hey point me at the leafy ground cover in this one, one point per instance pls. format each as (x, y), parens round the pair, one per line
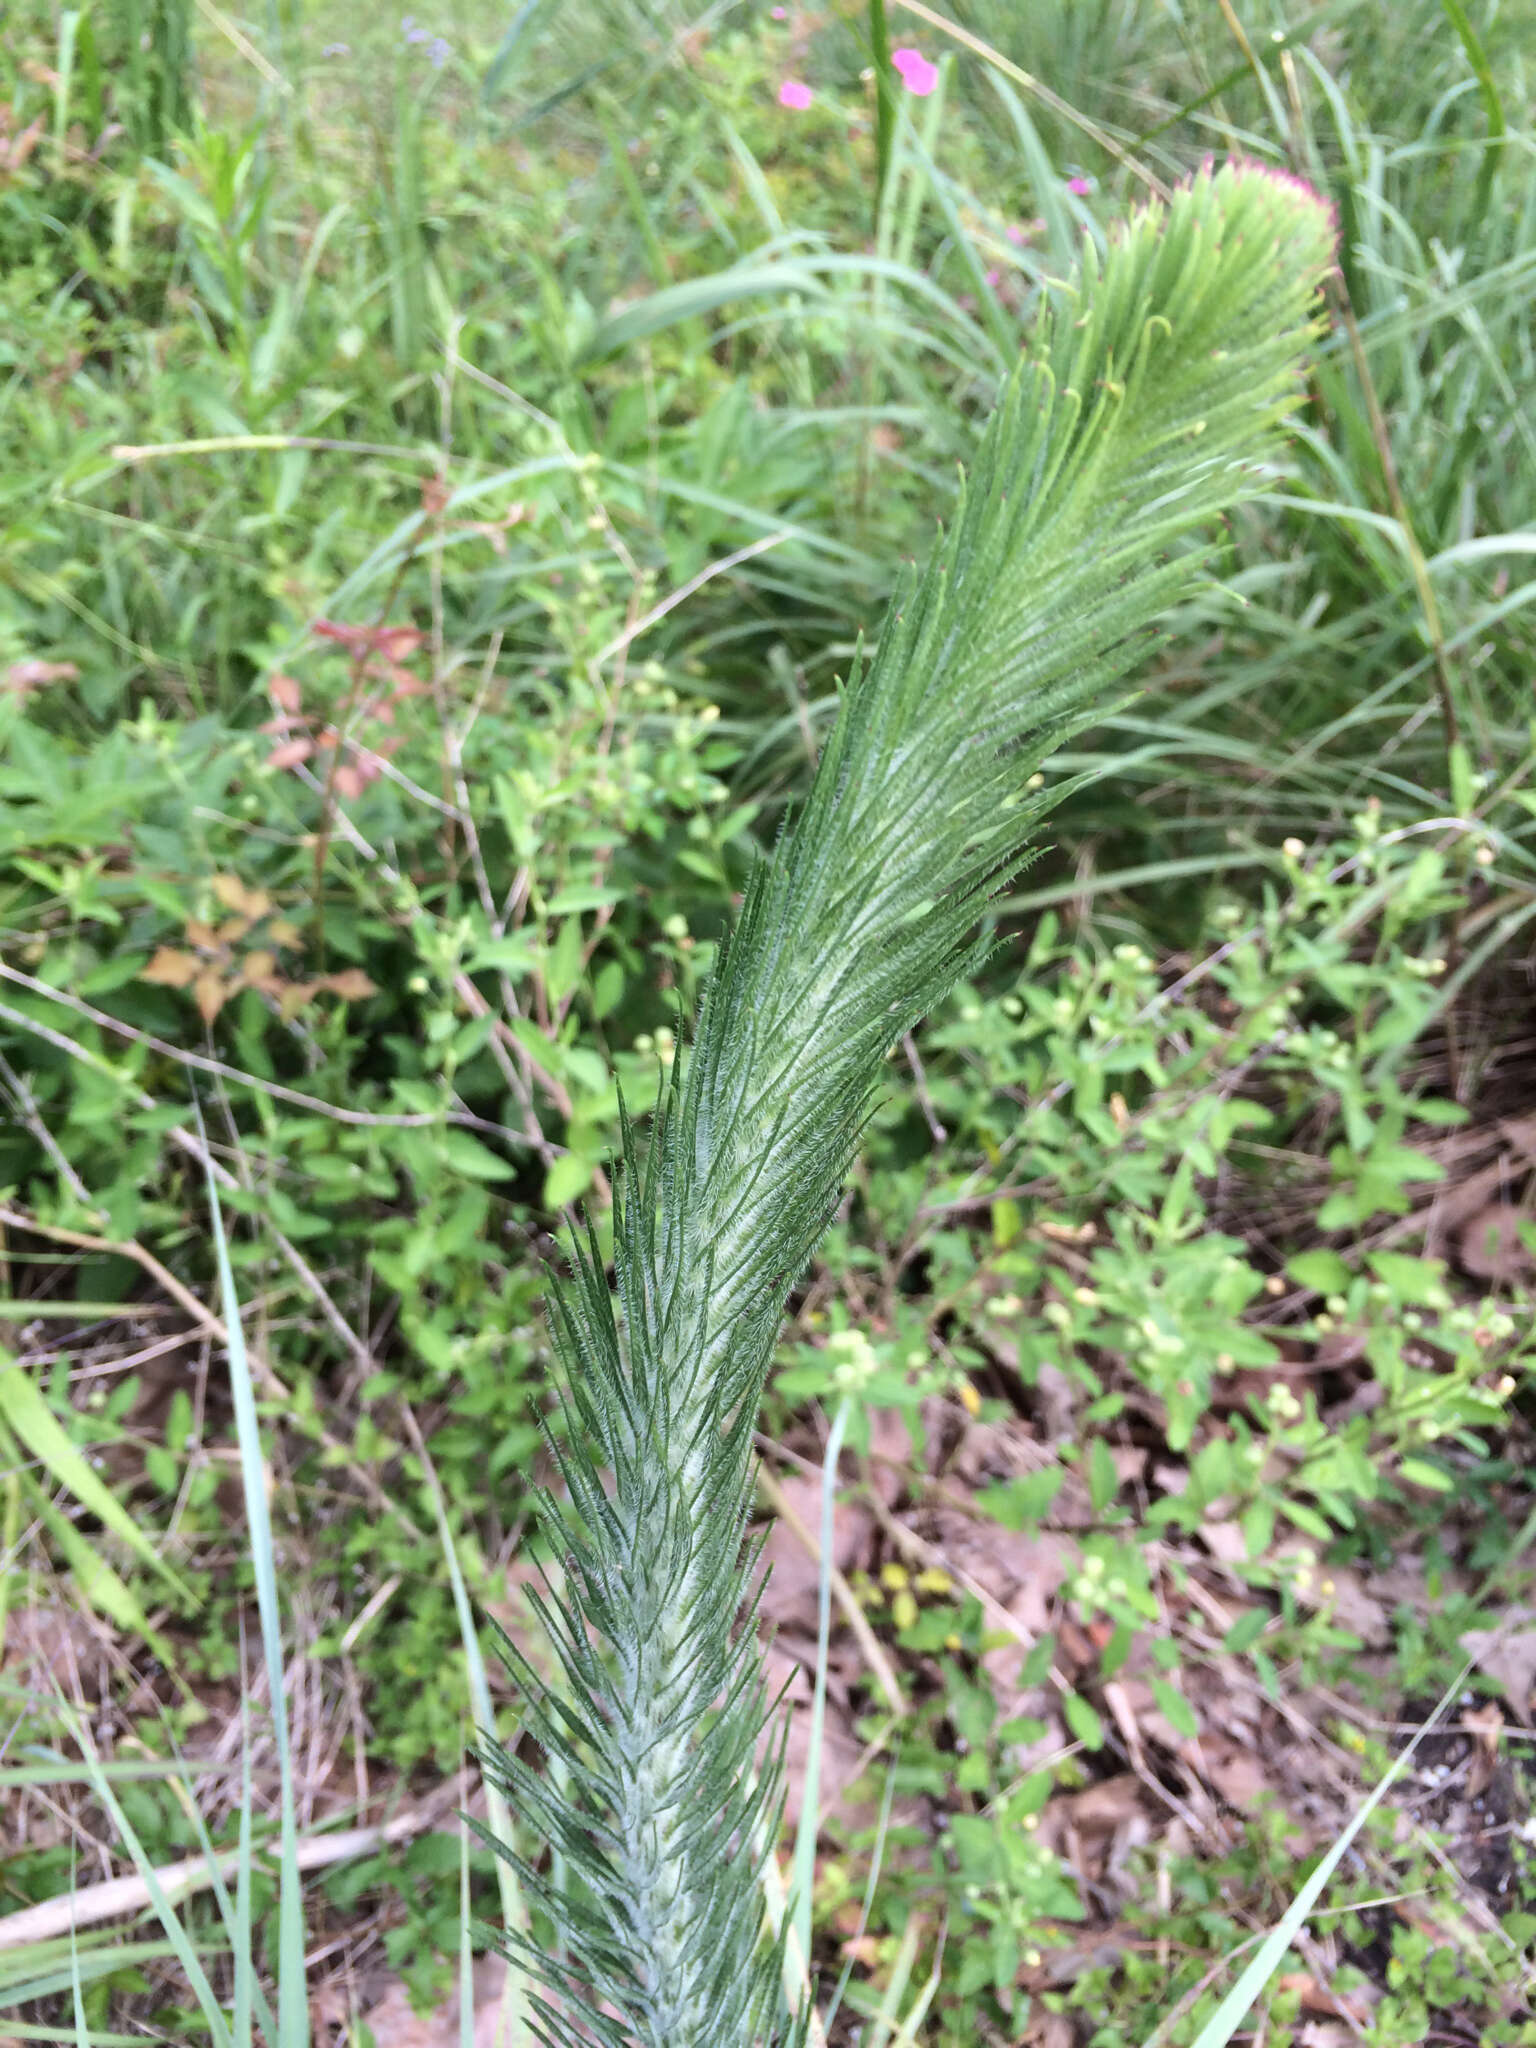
(447, 466)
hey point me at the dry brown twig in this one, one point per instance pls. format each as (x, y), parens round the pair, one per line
(118, 1896)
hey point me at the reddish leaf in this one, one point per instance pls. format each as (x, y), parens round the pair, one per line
(287, 692)
(349, 781)
(210, 992)
(352, 985)
(397, 643)
(170, 968)
(22, 676)
(23, 144)
(290, 753)
(294, 997)
(346, 636)
(259, 968)
(234, 895)
(495, 530)
(394, 643)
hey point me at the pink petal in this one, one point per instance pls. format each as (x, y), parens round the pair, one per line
(919, 76)
(1079, 185)
(792, 93)
(778, 13)
(993, 278)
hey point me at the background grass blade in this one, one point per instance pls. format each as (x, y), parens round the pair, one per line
(1234, 2008)
(292, 1995)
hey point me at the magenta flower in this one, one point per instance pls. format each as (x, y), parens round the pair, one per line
(1079, 186)
(918, 75)
(794, 93)
(778, 13)
(994, 277)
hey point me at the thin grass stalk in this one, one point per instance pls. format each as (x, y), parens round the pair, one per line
(1493, 105)
(885, 103)
(292, 1996)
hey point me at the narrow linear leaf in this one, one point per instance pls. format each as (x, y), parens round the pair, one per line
(293, 2001)
(24, 1408)
(1233, 2010)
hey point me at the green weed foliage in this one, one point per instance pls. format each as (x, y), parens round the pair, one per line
(464, 488)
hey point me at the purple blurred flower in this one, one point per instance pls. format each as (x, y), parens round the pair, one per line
(918, 75)
(794, 93)
(439, 49)
(337, 50)
(1079, 186)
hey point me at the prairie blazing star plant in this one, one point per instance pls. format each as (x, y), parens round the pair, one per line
(1156, 386)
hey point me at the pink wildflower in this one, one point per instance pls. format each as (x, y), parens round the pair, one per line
(779, 13)
(994, 278)
(794, 93)
(918, 75)
(1079, 186)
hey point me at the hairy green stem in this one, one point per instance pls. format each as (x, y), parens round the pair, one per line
(1159, 378)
